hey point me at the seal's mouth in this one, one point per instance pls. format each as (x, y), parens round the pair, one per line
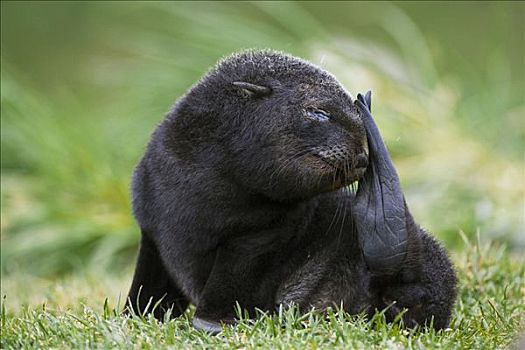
(331, 174)
(344, 176)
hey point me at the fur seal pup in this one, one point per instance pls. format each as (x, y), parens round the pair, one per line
(242, 197)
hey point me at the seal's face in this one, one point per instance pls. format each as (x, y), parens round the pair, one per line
(313, 137)
(281, 126)
(328, 128)
(304, 136)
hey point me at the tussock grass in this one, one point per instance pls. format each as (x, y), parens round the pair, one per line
(78, 110)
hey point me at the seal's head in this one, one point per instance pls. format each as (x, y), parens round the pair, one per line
(277, 125)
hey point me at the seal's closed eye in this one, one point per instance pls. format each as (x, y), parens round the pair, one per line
(379, 207)
(318, 115)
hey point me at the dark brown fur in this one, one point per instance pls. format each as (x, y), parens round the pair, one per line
(241, 197)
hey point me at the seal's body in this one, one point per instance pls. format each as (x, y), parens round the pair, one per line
(241, 197)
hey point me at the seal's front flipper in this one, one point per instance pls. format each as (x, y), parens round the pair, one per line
(152, 290)
(379, 209)
(242, 274)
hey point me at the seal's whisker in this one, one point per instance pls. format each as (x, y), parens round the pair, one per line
(345, 166)
(288, 162)
(335, 217)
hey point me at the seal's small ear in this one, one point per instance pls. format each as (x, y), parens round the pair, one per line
(252, 90)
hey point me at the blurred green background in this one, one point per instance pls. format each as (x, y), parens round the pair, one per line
(83, 84)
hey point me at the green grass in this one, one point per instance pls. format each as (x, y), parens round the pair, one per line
(83, 312)
(83, 84)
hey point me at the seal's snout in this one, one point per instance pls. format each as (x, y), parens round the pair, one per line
(361, 161)
(361, 165)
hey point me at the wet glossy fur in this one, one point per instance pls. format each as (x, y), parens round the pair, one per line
(240, 198)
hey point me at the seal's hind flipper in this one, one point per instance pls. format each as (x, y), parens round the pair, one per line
(379, 209)
(211, 327)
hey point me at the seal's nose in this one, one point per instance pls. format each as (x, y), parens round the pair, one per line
(362, 160)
